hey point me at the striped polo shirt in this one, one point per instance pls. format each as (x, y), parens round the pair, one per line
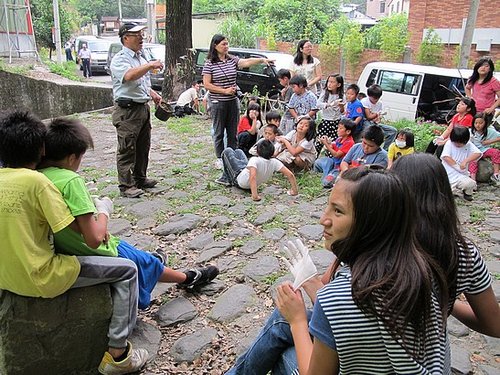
(363, 344)
(223, 75)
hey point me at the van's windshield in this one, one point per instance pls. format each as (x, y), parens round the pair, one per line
(98, 46)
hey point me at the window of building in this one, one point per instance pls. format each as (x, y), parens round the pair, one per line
(382, 7)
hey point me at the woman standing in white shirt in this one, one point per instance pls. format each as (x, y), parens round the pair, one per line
(307, 65)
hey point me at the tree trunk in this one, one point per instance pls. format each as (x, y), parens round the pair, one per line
(179, 72)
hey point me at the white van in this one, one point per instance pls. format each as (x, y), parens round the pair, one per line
(411, 91)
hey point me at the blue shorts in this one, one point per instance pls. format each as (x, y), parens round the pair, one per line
(149, 269)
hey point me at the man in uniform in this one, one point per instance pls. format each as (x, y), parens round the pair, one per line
(131, 116)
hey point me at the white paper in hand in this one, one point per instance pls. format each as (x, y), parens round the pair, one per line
(301, 265)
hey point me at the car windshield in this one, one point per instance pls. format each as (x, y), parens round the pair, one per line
(98, 46)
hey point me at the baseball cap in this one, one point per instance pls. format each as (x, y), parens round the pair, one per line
(130, 27)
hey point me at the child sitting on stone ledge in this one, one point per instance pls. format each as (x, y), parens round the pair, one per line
(31, 209)
(66, 142)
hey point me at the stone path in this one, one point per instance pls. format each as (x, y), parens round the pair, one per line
(197, 222)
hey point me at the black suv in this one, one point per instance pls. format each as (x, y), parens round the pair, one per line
(261, 76)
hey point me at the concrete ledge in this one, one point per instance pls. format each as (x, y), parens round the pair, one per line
(62, 335)
(49, 99)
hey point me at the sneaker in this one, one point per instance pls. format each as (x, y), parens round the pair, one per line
(135, 360)
(203, 276)
(495, 178)
(222, 181)
(161, 256)
(328, 181)
(468, 197)
(148, 183)
(132, 192)
(219, 164)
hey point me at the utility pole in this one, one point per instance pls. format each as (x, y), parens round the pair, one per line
(120, 11)
(57, 31)
(468, 33)
(151, 16)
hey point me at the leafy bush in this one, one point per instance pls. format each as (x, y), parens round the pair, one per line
(239, 31)
(424, 131)
(431, 49)
(344, 37)
(389, 35)
(66, 69)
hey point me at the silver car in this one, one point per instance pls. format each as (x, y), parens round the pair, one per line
(151, 51)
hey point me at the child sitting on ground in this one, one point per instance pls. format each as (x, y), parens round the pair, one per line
(330, 166)
(403, 145)
(374, 110)
(249, 127)
(66, 142)
(303, 102)
(298, 145)
(368, 152)
(483, 136)
(31, 210)
(249, 174)
(354, 110)
(466, 110)
(270, 133)
(456, 156)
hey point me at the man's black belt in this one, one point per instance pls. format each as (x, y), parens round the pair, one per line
(127, 103)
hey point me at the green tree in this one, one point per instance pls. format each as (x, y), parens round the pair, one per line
(93, 12)
(394, 36)
(431, 49)
(43, 22)
(344, 38)
(389, 35)
(304, 18)
(239, 31)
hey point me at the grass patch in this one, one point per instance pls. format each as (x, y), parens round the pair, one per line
(271, 279)
(477, 214)
(66, 69)
(182, 126)
(186, 182)
(276, 223)
(310, 185)
(219, 233)
(238, 242)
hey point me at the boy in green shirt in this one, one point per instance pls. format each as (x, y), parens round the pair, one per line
(31, 209)
(66, 142)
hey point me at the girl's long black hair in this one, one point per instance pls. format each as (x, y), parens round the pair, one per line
(438, 226)
(340, 89)
(475, 74)
(486, 118)
(392, 278)
(255, 107)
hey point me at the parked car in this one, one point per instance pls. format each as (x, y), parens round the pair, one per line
(412, 91)
(99, 51)
(261, 76)
(151, 51)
